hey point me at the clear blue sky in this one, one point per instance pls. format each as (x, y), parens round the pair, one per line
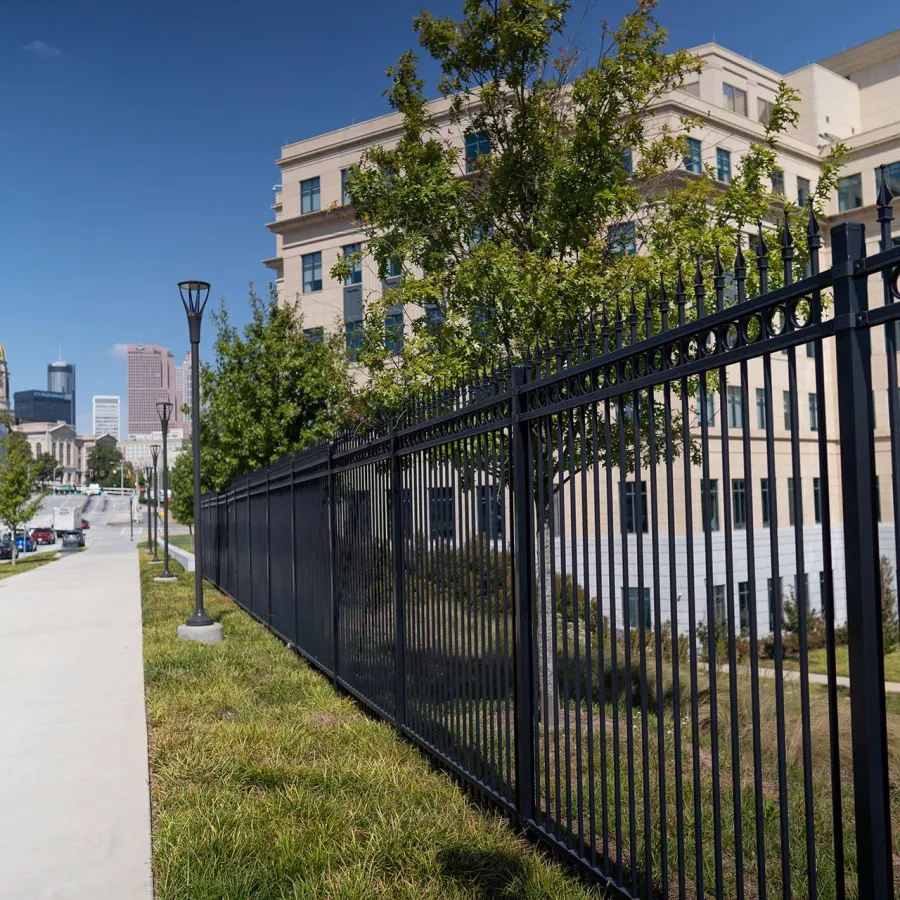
(138, 139)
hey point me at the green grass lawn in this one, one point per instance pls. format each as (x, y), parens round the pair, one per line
(185, 541)
(818, 664)
(26, 564)
(268, 784)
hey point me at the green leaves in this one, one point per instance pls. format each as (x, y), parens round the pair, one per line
(271, 390)
(17, 481)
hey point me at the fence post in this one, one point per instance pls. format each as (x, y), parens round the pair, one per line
(862, 563)
(396, 526)
(333, 564)
(268, 554)
(524, 599)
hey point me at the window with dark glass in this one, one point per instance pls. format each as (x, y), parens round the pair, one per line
(778, 181)
(315, 335)
(477, 144)
(892, 173)
(765, 498)
(692, 160)
(353, 335)
(709, 503)
(394, 268)
(637, 598)
(441, 513)
(310, 196)
(761, 408)
(723, 165)
(406, 510)
(707, 413)
(719, 599)
(345, 193)
(622, 238)
(850, 193)
(490, 511)
(790, 499)
(764, 110)
(355, 276)
(393, 333)
(312, 272)
(811, 350)
(744, 605)
(786, 400)
(631, 514)
(739, 502)
(735, 406)
(817, 500)
(803, 191)
(772, 599)
(626, 160)
(813, 412)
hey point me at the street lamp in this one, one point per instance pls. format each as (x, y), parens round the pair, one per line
(148, 474)
(200, 626)
(154, 455)
(164, 409)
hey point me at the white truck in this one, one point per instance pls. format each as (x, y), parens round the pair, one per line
(67, 522)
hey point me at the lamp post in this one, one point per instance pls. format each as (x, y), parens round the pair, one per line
(154, 455)
(148, 474)
(165, 411)
(199, 626)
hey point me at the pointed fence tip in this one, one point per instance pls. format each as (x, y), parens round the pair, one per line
(812, 225)
(761, 249)
(885, 195)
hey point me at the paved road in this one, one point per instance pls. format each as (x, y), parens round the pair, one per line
(74, 798)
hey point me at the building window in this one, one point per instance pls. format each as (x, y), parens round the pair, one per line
(393, 333)
(626, 161)
(490, 511)
(355, 276)
(345, 192)
(739, 502)
(477, 144)
(735, 407)
(772, 589)
(892, 173)
(850, 193)
(778, 181)
(354, 333)
(434, 317)
(764, 110)
(813, 412)
(803, 191)
(315, 335)
(310, 195)
(811, 350)
(707, 417)
(629, 507)
(761, 408)
(764, 508)
(719, 598)
(622, 238)
(692, 158)
(312, 272)
(735, 99)
(723, 165)
(817, 500)
(744, 605)
(634, 607)
(786, 399)
(406, 510)
(790, 496)
(394, 268)
(441, 512)
(709, 503)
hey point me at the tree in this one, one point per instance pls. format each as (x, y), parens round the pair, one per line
(271, 390)
(101, 461)
(181, 483)
(531, 242)
(17, 483)
(45, 468)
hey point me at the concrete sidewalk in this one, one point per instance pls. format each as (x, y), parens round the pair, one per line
(74, 797)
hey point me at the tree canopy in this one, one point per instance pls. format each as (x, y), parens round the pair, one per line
(17, 482)
(572, 190)
(181, 483)
(270, 390)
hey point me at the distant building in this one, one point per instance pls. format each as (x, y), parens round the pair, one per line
(136, 449)
(61, 380)
(183, 386)
(107, 415)
(70, 449)
(4, 380)
(43, 406)
(151, 380)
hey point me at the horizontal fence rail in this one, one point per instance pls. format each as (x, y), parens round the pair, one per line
(637, 590)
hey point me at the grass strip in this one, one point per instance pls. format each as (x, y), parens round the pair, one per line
(268, 784)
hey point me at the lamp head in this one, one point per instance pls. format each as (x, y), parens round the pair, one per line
(154, 453)
(164, 410)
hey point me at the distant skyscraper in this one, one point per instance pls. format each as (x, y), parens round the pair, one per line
(151, 379)
(107, 416)
(4, 380)
(61, 380)
(43, 406)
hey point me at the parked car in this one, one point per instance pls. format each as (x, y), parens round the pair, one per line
(85, 524)
(43, 535)
(5, 549)
(25, 543)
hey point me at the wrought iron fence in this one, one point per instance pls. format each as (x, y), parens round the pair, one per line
(600, 587)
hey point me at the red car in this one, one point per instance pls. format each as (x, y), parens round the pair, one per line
(43, 536)
(85, 524)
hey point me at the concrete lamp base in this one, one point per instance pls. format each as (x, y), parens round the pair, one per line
(155, 562)
(165, 579)
(206, 634)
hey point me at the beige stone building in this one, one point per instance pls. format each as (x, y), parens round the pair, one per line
(852, 97)
(70, 449)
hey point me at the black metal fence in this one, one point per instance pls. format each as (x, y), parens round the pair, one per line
(602, 587)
